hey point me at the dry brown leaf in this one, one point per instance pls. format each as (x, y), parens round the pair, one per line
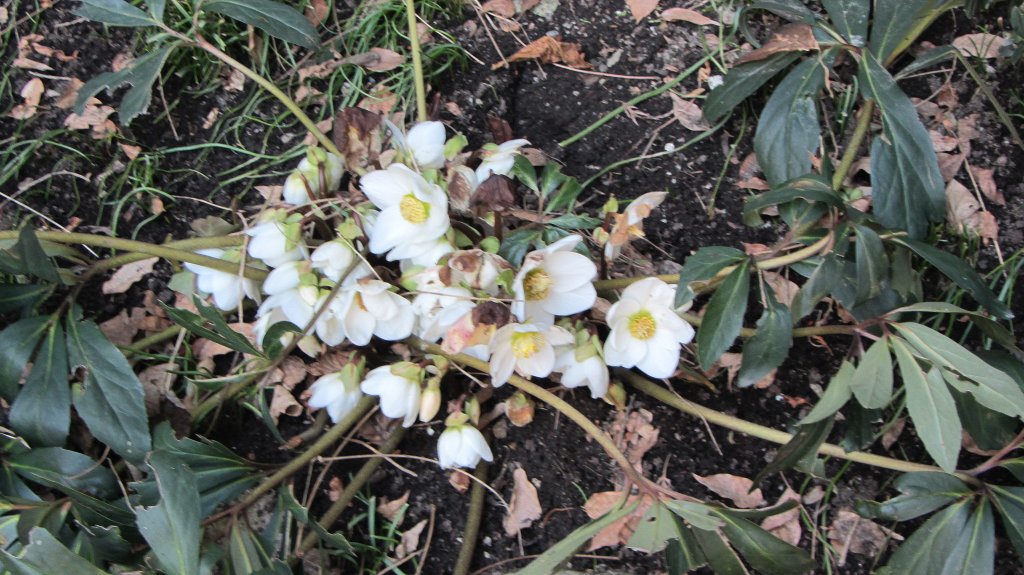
(784, 289)
(687, 15)
(131, 151)
(964, 214)
(380, 101)
(734, 488)
(893, 433)
(156, 384)
(503, 8)
(49, 52)
(324, 126)
(4, 15)
(789, 38)
(283, 403)
(619, 531)
(31, 93)
(640, 436)
(69, 94)
(234, 81)
(321, 70)
(785, 525)
(524, 507)
(120, 329)
(549, 50)
(980, 45)
(949, 165)
(410, 540)
(377, 60)
(943, 143)
(205, 349)
(688, 114)
(335, 488)
(156, 205)
(851, 533)
(459, 480)
(390, 509)
(316, 12)
(987, 185)
(127, 275)
(95, 118)
(641, 8)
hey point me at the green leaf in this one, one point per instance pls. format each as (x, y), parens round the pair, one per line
(975, 549)
(872, 263)
(42, 412)
(172, 527)
(764, 552)
(64, 471)
(860, 431)
(271, 343)
(792, 10)
(141, 75)
(515, 245)
(333, 540)
(277, 19)
(789, 131)
(805, 442)
(113, 13)
(850, 18)
(742, 81)
(895, 21)
(21, 297)
(156, 8)
(524, 172)
(110, 398)
(45, 555)
(836, 395)
(575, 222)
(932, 408)
(995, 389)
(551, 178)
(656, 528)
(209, 323)
(33, 258)
(872, 382)
(770, 345)
(1009, 501)
(565, 197)
(17, 342)
(809, 188)
(908, 192)
(927, 60)
(723, 316)
(721, 558)
(245, 553)
(697, 515)
(921, 493)
(998, 333)
(824, 279)
(702, 266)
(683, 555)
(923, 552)
(1014, 466)
(957, 270)
(560, 552)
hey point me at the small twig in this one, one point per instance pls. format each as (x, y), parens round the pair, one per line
(426, 544)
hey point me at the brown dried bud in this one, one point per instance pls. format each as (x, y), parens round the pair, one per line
(357, 133)
(495, 194)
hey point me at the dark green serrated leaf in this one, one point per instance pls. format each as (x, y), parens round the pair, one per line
(565, 197)
(957, 270)
(805, 442)
(575, 222)
(860, 427)
(1009, 501)
(683, 555)
(931, 407)
(22, 297)
(110, 398)
(33, 258)
(42, 411)
(907, 189)
(894, 21)
(809, 188)
(821, 283)
(769, 346)
(65, 470)
(45, 555)
(113, 13)
(872, 263)
(926, 551)
(271, 343)
(764, 552)
(332, 540)
(277, 19)
(761, 513)
(723, 316)
(789, 131)
(515, 245)
(551, 178)
(697, 515)
(836, 395)
(172, 527)
(106, 543)
(904, 279)
(1014, 466)
(209, 323)
(524, 172)
(245, 554)
(720, 557)
(850, 18)
(560, 552)
(141, 75)
(975, 549)
(702, 266)
(920, 493)
(998, 333)
(742, 81)
(872, 382)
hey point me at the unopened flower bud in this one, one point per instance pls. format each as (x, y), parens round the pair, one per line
(520, 409)
(616, 395)
(472, 409)
(430, 400)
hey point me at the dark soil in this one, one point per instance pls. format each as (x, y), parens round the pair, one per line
(545, 104)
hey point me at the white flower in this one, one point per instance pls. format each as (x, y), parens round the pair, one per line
(369, 309)
(432, 252)
(338, 392)
(226, 288)
(398, 387)
(425, 143)
(437, 309)
(333, 259)
(477, 269)
(525, 348)
(318, 173)
(582, 364)
(462, 445)
(499, 159)
(414, 212)
(554, 281)
(646, 330)
(277, 239)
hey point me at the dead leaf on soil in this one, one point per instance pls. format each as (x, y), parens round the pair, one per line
(25, 49)
(731, 363)
(949, 165)
(234, 81)
(641, 8)
(156, 384)
(851, 533)
(618, 532)
(943, 143)
(789, 38)
(785, 525)
(524, 507)
(889, 437)
(503, 8)
(549, 50)
(376, 60)
(459, 480)
(389, 509)
(381, 101)
(687, 15)
(95, 117)
(68, 94)
(980, 45)
(283, 403)
(640, 436)
(316, 12)
(688, 114)
(734, 488)
(127, 275)
(410, 540)
(784, 289)
(31, 93)
(964, 214)
(324, 126)
(120, 329)
(987, 185)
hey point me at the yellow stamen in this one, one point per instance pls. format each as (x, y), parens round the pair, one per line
(536, 285)
(525, 344)
(642, 325)
(414, 210)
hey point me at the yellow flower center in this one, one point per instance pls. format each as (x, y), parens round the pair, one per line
(536, 285)
(642, 325)
(527, 343)
(414, 210)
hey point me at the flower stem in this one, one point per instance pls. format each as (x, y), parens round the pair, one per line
(417, 63)
(187, 244)
(768, 434)
(853, 146)
(473, 519)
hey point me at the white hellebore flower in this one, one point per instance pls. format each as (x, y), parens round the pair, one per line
(226, 288)
(277, 238)
(424, 142)
(398, 387)
(414, 212)
(582, 364)
(368, 308)
(339, 392)
(334, 259)
(461, 444)
(318, 173)
(646, 330)
(498, 159)
(526, 349)
(437, 309)
(554, 281)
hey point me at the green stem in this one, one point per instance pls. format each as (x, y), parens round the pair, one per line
(810, 331)
(768, 434)
(187, 244)
(417, 63)
(642, 97)
(474, 516)
(853, 146)
(144, 248)
(161, 336)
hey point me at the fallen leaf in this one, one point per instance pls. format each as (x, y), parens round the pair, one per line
(733, 487)
(282, 402)
(987, 185)
(31, 93)
(504, 8)
(316, 12)
(943, 143)
(640, 436)
(334, 489)
(949, 165)
(324, 126)
(205, 349)
(688, 114)
(69, 94)
(380, 101)
(459, 480)
(376, 60)
(964, 214)
(687, 15)
(410, 540)
(980, 45)
(234, 81)
(893, 433)
(851, 533)
(524, 507)
(156, 384)
(131, 151)
(120, 329)
(94, 117)
(789, 38)
(389, 509)
(785, 525)
(619, 531)
(784, 289)
(127, 275)
(641, 8)
(549, 50)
